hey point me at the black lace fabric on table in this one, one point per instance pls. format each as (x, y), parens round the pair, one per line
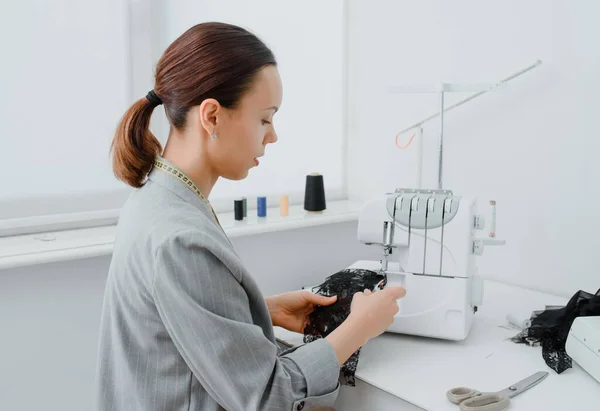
(324, 319)
(550, 328)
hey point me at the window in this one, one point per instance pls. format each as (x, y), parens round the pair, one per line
(77, 66)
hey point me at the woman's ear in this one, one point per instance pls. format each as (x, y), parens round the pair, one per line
(209, 110)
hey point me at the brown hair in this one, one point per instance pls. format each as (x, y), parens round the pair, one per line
(209, 60)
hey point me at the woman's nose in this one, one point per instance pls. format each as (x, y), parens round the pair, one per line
(271, 137)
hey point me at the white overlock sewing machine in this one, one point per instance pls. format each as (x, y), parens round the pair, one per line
(429, 247)
(429, 244)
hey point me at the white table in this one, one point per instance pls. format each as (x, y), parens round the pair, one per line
(414, 373)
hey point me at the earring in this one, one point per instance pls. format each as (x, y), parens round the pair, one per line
(214, 135)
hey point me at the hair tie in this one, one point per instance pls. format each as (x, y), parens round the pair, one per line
(153, 98)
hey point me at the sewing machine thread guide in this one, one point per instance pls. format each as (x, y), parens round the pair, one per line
(442, 236)
(425, 236)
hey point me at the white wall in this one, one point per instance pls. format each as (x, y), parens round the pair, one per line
(50, 314)
(65, 66)
(531, 145)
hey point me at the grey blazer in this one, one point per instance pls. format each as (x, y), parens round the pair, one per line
(184, 325)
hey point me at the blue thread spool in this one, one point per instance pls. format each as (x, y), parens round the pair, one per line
(261, 206)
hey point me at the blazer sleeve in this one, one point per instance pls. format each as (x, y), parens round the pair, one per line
(207, 314)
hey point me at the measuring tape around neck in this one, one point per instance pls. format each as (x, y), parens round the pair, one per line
(174, 171)
(185, 179)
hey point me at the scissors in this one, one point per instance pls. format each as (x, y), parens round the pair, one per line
(472, 400)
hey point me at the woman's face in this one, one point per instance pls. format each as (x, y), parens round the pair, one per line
(243, 133)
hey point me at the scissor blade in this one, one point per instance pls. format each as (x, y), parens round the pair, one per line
(525, 384)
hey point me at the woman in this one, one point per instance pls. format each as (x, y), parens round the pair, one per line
(184, 325)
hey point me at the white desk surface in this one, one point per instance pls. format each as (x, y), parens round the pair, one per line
(421, 370)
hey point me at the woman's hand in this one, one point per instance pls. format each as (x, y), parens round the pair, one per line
(370, 315)
(291, 310)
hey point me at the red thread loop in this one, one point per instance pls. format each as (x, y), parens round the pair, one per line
(407, 144)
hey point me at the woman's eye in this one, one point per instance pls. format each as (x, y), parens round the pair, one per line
(265, 122)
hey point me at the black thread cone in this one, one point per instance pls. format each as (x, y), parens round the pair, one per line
(238, 208)
(314, 193)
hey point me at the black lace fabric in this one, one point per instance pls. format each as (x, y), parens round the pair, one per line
(550, 328)
(324, 319)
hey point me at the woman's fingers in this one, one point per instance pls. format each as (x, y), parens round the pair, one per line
(322, 299)
(396, 292)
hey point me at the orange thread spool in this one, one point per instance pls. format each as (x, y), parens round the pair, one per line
(284, 204)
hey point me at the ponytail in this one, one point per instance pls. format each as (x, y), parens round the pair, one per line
(134, 147)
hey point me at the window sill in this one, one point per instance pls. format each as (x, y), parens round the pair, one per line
(32, 249)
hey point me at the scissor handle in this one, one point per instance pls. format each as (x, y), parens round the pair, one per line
(459, 394)
(485, 402)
